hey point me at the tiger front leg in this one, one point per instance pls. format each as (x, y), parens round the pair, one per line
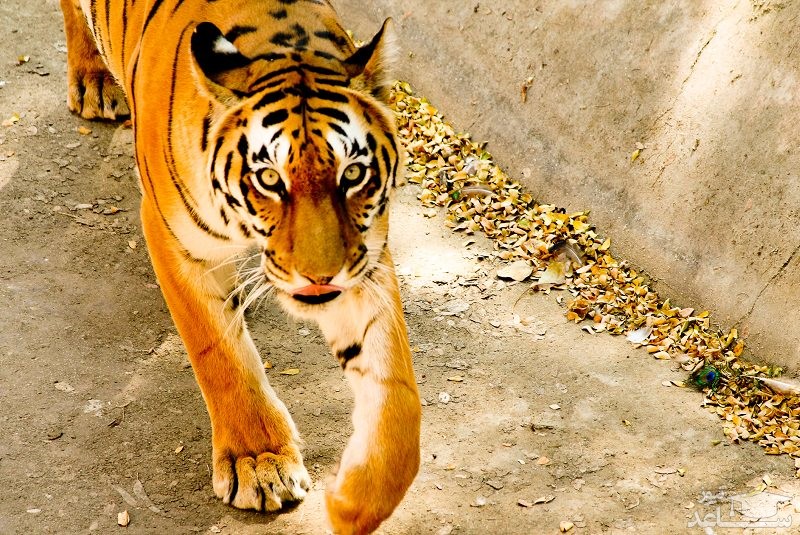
(92, 91)
(256, 448)
(367, 333)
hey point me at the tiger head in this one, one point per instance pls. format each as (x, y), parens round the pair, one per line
(302, 157)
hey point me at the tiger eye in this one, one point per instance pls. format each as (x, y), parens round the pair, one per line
(269, 177)
(354, 172)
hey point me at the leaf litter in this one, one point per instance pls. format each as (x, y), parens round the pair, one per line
(565, 252)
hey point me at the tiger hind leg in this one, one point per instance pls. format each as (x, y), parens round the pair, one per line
(92, 91)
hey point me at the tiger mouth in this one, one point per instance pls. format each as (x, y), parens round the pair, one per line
(316, 299)
(317, 294)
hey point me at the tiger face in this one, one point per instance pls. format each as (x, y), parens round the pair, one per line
(303, 164)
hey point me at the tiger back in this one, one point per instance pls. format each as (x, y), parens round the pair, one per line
(259, 126)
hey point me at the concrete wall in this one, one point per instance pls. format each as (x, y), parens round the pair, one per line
(710, 88)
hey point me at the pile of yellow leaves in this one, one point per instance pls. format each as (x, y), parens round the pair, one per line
(454, 172)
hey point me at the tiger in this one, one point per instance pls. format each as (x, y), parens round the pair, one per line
(261, 129)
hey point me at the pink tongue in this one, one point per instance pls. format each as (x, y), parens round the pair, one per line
(318, 289)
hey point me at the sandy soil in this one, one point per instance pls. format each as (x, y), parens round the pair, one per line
(99, 411)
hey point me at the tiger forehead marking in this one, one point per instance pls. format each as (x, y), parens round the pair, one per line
(336, 136)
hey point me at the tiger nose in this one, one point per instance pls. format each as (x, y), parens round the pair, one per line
(319, 280)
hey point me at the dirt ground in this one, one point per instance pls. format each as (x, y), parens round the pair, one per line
(523, 428)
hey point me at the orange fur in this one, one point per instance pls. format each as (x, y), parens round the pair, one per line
(247, 115)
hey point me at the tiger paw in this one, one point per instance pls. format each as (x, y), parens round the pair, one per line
(263, 483)
(94, 94)
(356, 505)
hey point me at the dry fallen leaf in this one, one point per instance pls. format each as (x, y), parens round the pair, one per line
(480, 501)
(518, 271)
(123, 518)
(554, 274)
(11, 121)
(639, 336)
(290, 371)
(82, 130)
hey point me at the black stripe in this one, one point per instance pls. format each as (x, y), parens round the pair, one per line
(274, 264)
(124, 30)
(371, 143)
(273, 74)
(185, 195)
(362, 254)
(217, 147)
(190, 208)
(243, 147)
(338, 129)
(282, 39)
(245, 189)
(333, 113)
(331, 95)
(324, 55)
(348, 354)
(151, 14)
(275, 117)
(393, 143)
(228, 164)
(177, 5)
(316, 69)
(338, 40)
(93, 17)
(270, 56)
(232, 201)
(269, 98)
(387, 161)
(204, 134)
(278, 133)
(279, 14)
(235, 481)
(108, 28)
(238, 31)
(145, 174)
(337, 82)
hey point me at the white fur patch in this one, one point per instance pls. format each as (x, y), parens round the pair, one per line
(223, 46)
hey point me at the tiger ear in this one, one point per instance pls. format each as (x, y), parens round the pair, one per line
(369, 66)
(218, 64)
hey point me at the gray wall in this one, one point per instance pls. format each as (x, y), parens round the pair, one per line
(711, 207)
